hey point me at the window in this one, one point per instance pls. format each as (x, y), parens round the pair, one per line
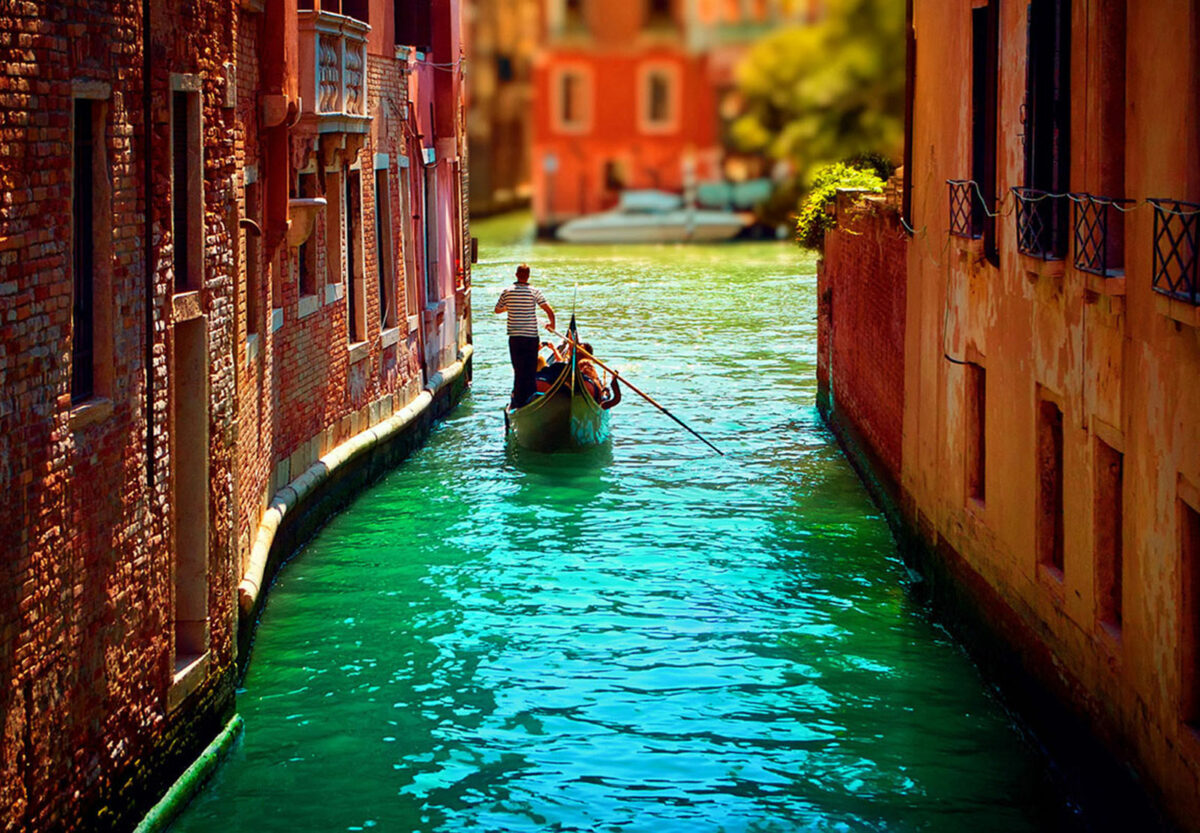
(253, 254)
(570, 98)
(358, 9)
(1108, 530)
(190, 485)
(658, 12)
(91, 251)
(335, 207)
(355, 301)
(412, 301)
(1047, 128)
(83, 255)
(572, 89)
(1050, 487)
(413, 23)
(976, 426)
(383, 251)
(306, 256)
(985, 24)
(432, 293)
(574, 13)
(187, 202)
(658, 98)
(1189, 643)
(615, 174)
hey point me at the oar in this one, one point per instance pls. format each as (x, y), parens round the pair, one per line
(639, 392)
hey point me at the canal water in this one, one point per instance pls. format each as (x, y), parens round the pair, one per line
(645, 638)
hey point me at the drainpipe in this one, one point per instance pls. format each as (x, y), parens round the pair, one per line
(147, 238)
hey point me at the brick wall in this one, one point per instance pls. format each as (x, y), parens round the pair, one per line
(94, 720)
(862, 308)
(85, 578)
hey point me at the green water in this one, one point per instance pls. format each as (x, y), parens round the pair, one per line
(646, 638)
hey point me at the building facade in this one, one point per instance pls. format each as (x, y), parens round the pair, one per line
(233, 246)
(621, 102)
(641, 95)
(1046, 456)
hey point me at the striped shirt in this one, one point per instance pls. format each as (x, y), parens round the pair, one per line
(521, 302)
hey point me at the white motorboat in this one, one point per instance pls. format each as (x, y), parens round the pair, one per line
(653, 217)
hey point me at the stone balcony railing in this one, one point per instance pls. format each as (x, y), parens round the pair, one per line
(333, 72)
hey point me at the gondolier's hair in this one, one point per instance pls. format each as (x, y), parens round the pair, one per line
(523, 271)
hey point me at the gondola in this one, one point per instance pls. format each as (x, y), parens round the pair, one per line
(564, 417)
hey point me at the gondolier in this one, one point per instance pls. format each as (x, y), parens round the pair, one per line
(521, 301)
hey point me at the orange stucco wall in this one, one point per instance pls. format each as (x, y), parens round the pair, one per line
(1116, 357)
(569, 163)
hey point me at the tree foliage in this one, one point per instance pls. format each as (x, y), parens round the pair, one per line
(814, 218)
(828, 91)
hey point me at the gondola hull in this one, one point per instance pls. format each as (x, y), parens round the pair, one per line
(564, 418)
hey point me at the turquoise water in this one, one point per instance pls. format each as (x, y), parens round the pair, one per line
(645, 638)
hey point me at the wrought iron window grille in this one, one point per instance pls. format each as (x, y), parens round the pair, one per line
(966, 212)
(1176, 264)
(1098, 230)
(1041, 223)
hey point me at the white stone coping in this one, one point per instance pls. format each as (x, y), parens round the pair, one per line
(290, 495)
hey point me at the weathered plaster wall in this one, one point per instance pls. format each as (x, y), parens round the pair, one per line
(1112, 354)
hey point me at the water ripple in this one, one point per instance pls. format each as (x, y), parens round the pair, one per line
(647, 637)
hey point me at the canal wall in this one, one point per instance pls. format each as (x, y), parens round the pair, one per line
(211, 278)
(861, 389)
(301, 508)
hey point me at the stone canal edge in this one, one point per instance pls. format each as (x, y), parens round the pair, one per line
(295, 514)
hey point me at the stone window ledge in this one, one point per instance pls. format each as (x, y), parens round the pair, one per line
(276, 319)
(307, 305)
(970, 248)
(1035, 269)
(1180, 311)
(1111, 285)
(186, 680)
(90, 412)
(359, 351)
(333, 292)
(389, 337)
(252, 347)
(186, 306)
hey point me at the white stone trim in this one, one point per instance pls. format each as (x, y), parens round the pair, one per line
(323, 469)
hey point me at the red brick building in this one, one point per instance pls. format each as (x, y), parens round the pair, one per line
(210, 289)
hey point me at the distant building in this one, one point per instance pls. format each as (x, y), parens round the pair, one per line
(1019, 365)
(502, 38)
(233, 239)
(639, 95)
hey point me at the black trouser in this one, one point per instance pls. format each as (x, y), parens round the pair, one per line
(523, 351)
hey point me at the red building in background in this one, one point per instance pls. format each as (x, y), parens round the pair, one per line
(635, 95)
(620, 103)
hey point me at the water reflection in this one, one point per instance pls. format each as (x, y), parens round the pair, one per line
(644, 636)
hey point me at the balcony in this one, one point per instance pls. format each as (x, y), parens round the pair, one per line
(1041, 223)
(1176, 263)
(1100, 234)
(966, 214)
(333, 72)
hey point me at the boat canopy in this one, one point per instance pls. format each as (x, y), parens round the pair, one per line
(649, 201)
